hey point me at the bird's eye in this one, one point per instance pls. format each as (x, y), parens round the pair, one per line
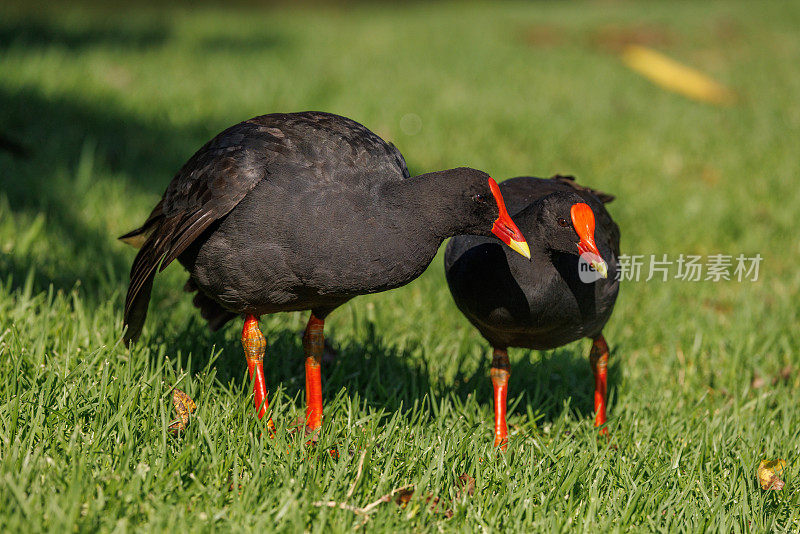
(562, 222)
(479, 198)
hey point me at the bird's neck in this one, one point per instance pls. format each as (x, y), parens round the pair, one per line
(427, 205)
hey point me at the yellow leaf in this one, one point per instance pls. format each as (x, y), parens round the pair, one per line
(185, 407)
(675, 76)
(770, 473)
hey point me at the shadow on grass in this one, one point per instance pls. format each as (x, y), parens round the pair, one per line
(57, 132)
(32, 33)
(391, 379)
(558, 379)
(362, 365)
(130, 35)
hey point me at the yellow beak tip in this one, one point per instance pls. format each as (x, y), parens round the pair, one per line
(521, 247)
(601, 267)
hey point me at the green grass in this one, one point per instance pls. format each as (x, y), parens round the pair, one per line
(110, 103)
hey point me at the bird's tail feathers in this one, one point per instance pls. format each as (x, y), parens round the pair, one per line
(137, 238)
(136, 310)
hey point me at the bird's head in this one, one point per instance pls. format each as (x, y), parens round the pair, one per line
(567, 225)
(480, 197)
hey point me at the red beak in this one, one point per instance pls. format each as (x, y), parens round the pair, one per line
(504, 228)
(583, 222)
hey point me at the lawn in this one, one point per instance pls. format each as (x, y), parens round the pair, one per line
(107, 103)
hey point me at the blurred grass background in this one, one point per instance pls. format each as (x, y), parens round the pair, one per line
(100, 105)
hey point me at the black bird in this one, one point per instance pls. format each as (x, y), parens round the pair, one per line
(302, 211)
(565, 292)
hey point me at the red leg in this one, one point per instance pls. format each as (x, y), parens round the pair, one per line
(500, 372)
(598, 359)
(314, 345)
(254, 347)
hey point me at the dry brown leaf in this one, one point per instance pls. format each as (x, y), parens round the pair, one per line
(403, 497)
(784, 375)
(615, 38)
(770, 473)
(465, 486)
(185, 407)
(757, 381)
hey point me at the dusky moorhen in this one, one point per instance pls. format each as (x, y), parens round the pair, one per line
(302, 211)
(565, 292)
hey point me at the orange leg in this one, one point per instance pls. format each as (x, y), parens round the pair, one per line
(314, 344)
(598, 359)
(254, 347)
(500, 372)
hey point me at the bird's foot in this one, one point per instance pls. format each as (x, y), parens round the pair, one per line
(500, 373)
(598, 359)
(314, 346)
(255, 346)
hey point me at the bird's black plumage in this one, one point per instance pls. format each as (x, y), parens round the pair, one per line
(299, 211)
(541, 303)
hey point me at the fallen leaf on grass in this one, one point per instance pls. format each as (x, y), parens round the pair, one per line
(616, 38)
(757, 382)
(403, 497)
(465, 485)
(674, 76)
(185, 407)
(431, 500)
(784, 375)
(770, 473)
